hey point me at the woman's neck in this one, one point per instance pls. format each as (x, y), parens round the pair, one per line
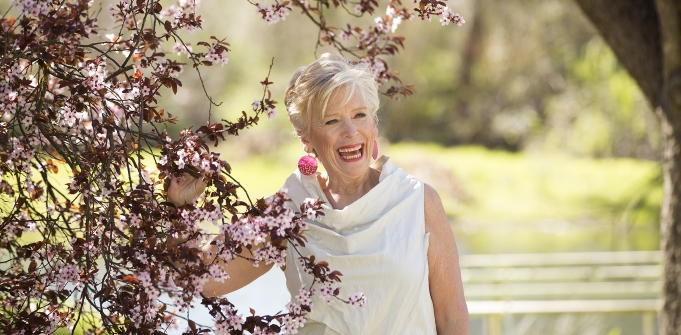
(342, 191)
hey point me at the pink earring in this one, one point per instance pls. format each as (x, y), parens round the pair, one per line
(307, 165)
(374, 153)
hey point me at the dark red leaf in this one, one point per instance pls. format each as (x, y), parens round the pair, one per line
(130, 279)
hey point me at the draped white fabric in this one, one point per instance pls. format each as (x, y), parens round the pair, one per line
(380, 245)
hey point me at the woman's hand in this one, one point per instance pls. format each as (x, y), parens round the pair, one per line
(185, 189)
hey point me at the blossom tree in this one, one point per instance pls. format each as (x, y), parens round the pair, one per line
(88, 238)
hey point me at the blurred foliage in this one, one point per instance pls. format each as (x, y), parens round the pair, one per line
(519, 74)
(514, 202)
(527, 74)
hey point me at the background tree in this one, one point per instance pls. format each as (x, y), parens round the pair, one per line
(646, 37)
(88, 239)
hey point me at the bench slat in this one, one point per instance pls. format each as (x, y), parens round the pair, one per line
(553, 259)
(562, 274)
(554, 291)
(563, 306)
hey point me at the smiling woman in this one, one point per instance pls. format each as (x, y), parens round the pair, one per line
(384, 230)
(332, 107)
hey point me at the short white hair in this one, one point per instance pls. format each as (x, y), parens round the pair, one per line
(312, 86)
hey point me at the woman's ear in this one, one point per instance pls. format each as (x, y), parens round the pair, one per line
(307, 146)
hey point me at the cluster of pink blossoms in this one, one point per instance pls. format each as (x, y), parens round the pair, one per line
(182, 49)
(12, 97)
(296, 320)
(33, 7)
(393, 18)
(182, 15)
(217, 55)
(449, 16)
(357, 299)
(188, 153)
(228, 320)
(327, 292)
(271, 111)
(275, 12)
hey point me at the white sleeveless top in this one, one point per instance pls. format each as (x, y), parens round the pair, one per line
(380, 246)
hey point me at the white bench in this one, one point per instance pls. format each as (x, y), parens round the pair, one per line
(589, 282)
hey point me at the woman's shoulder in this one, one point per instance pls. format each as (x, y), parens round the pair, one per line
(430, 194)
(434, 211)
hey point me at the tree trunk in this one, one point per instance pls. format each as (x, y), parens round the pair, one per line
(670, 120)
(670, 316)
(466, 125)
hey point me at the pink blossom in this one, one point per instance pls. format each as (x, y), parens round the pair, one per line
(357, 299)
(449, 16)
(271, 113)
(180, 48)
(217, 273)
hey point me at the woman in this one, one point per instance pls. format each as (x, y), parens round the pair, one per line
(386, 231)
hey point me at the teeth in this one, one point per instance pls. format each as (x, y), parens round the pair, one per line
(359, 146)
(353, 156)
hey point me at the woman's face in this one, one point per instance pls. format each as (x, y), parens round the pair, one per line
(343, 139)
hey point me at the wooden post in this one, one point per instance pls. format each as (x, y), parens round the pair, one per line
(648, 323)
(494, 325)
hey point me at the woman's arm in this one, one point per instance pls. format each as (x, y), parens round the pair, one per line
(186, 189)
(240, 271)
(446, 288)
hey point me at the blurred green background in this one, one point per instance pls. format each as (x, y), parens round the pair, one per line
(532, 133)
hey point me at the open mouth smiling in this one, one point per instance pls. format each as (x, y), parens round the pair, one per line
(351, 152)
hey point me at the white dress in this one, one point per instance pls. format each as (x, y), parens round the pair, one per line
(380, 246)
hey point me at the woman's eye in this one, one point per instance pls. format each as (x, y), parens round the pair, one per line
(360, 115)
(330, 122)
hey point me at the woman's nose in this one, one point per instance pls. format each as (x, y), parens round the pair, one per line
(349, 128)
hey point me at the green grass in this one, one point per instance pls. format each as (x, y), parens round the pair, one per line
(527, 186)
